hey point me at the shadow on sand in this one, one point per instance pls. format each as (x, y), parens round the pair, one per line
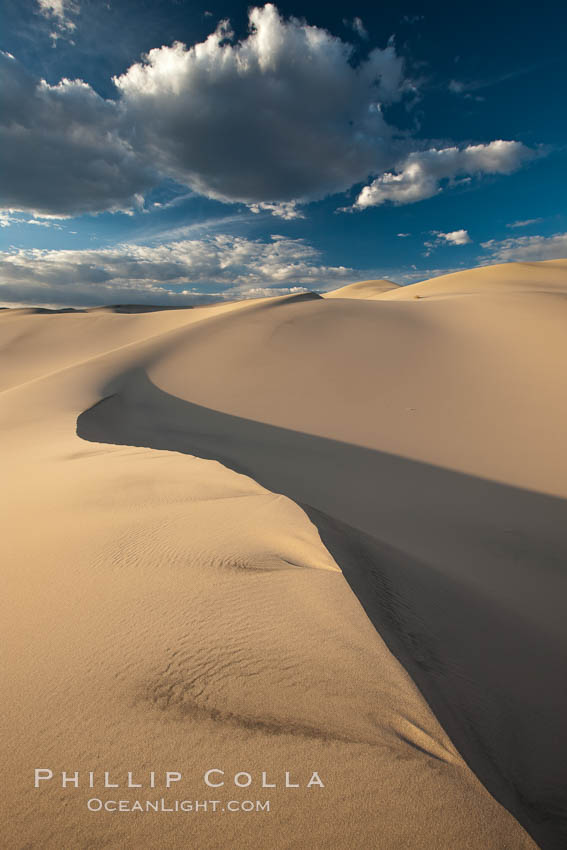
(465, 579)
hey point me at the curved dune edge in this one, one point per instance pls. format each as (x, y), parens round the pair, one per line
(402, 597)
(168, 613)
(144, 554)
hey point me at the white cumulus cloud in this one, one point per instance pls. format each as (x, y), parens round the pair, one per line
(455, 237)
(422, 173)
(284, 116)
(280, 116)
(287, 211)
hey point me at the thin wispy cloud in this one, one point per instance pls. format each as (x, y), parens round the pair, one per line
(155, 232)
(528, 248)
(8, 219)
(465, 87)
(357, 25)
(61, 14)
(527, 222)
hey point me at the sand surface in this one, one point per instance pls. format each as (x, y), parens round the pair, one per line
(363, 289)
(301, 534)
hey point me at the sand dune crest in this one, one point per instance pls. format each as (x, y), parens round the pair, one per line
(189, 491)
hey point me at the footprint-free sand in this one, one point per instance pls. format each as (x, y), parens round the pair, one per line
(304, 534)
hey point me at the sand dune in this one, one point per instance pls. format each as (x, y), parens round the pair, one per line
(363, 289)
(195, 495)
(547, 276)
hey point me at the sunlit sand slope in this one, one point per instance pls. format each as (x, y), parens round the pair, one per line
(547, 276)
(166, 611)
(363, 289)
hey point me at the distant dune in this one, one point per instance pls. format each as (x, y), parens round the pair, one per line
(510, 277)
(363, 289)
(293, 534)
(549, 275)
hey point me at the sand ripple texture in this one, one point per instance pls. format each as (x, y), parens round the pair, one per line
(247, 537)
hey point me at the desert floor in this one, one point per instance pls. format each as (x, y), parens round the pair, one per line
(292, 534)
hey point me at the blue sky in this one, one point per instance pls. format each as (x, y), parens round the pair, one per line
(175, 153)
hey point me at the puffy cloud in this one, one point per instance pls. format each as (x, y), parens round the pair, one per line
(528, 248)
(422, 173)
(455, 237)
(280, 116)
(287, 211)
(185, 271)
(60, 149)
